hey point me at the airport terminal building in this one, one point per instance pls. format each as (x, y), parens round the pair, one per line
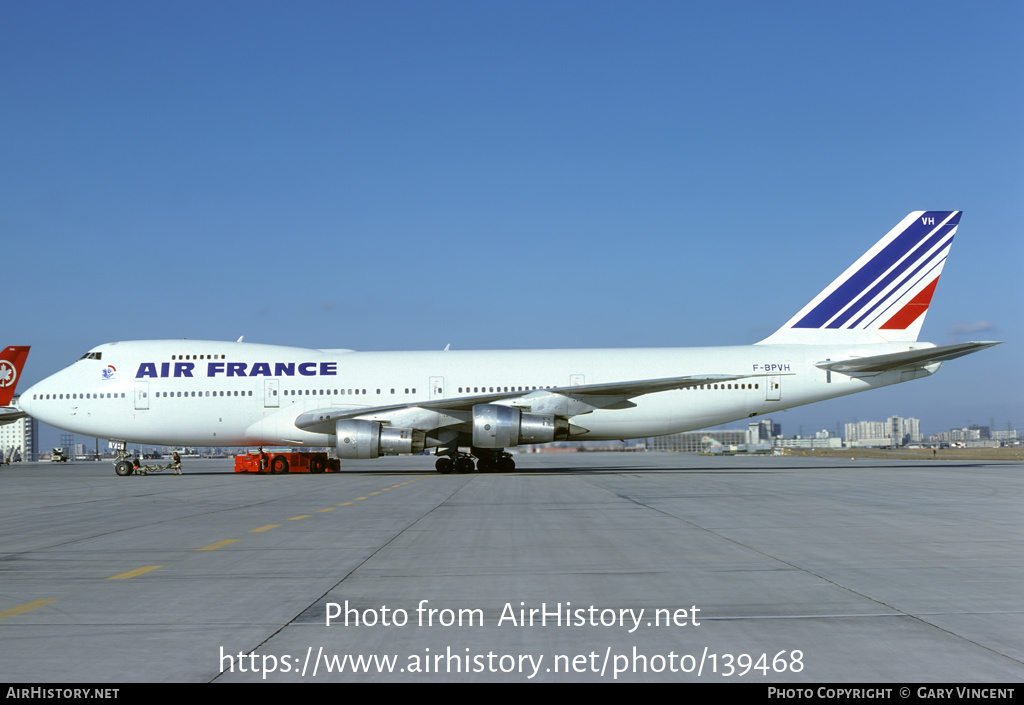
(757, 432)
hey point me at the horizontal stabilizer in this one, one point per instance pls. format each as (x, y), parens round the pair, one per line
(874, 364)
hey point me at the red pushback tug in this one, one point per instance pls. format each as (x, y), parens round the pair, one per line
(281, 462)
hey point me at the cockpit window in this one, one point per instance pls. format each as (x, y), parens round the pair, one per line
(91, 356)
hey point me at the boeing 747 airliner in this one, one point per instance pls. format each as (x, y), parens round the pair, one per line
(859, 333)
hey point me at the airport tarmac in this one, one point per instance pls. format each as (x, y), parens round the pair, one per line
(579, 567)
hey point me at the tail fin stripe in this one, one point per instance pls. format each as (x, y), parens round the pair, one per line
(928, 265)
(913, 258)
(879, 264)
(861, 278)
(910, 313)
(923, 259)
(883, 297)
(932, 273)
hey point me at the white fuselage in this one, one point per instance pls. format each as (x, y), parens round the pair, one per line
(209, 393)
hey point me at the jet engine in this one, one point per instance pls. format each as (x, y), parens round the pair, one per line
(497, 426)
(357, 439)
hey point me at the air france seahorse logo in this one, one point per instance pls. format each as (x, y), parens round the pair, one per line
(8, 374)
(108, 372)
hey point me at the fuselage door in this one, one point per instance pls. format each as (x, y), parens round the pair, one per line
(142, 395)
(271, 392)
(773, 388)
(437, 388)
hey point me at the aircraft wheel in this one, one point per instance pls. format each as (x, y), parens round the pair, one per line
(123, 468)
(317, 464)
(506, 464)
(444, 466)
(464, 465)
(279, 464)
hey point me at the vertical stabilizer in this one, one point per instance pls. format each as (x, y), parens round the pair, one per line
(884, 295)
(12, 359)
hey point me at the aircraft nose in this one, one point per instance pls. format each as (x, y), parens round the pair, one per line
(25, 399)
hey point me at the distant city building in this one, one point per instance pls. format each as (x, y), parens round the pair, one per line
(975, 436)
(868, 434)
(904, 431)
(763, 431)
(19, 440)
(964, 435)
(893, 432)
(984, 432)
(809, 443)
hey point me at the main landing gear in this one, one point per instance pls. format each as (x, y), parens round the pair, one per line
(487, 461)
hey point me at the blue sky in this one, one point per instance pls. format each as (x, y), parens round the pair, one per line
(405, 175)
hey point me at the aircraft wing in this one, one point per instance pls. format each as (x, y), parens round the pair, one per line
(874, 364)
(565, 401)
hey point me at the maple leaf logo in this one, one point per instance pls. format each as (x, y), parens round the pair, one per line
(8, 375)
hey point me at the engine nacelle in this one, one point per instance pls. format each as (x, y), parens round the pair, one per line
(357, 439)
(497, 426)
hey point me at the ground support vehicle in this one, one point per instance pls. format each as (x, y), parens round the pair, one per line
(281, 462)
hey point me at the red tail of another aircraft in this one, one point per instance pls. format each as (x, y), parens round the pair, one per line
(12, 359)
